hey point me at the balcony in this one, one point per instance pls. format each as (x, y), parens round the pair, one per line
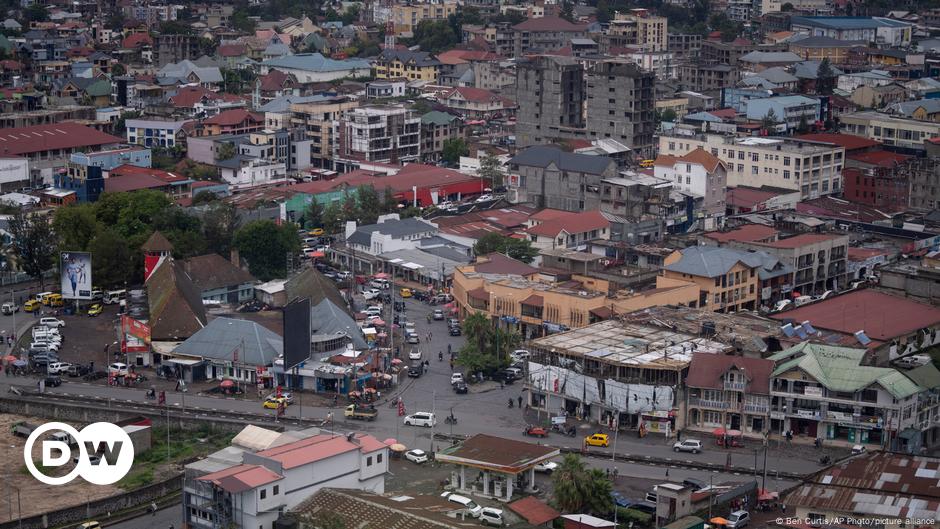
(735, 386)
(756, 408)
(712, 404)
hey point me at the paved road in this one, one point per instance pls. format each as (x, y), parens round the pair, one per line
(484, 410)
(162, 519)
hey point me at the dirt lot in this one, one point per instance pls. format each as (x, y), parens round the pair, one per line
(36, 497)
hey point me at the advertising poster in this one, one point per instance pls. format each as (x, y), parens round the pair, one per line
(76, 275)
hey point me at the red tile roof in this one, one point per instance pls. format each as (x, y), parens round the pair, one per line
(549, 23)
(849, 141)
(412, 175)
(724, 113)
(549, 214)
(10, 64)
(802, 239)
(573, 223)
(746, 233)
(707, 369)
(534, 511)
(64, 135)
(232, 50)
(840, 209)
(132, 178)
(698, 156)
(135, 40)
(861, 254)
(235, 116)
(188, 96)
(750, 197)
(274, 80)
(479, 95)
(880, 158)
(882, 316)
(497, 263)
(465, 56)
(308, 450)
(242, 477)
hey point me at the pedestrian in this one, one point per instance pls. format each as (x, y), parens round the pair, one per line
(520, 401)
(607, 470)
(679, 435)
(667, 472)
(783, 508)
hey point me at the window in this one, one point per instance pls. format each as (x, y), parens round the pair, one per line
(755, 157)
(786, 175)
(276, 490)
(264, 493)
(754, 169)
(786, 161)
(378, 459)
(369, 461)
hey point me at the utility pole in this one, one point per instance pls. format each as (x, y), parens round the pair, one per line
(434, 420)
(764, 486)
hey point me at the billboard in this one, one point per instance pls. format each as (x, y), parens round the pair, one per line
(76, 275)
(296, 333)
(135, 335)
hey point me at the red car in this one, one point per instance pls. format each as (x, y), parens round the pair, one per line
(536, 431)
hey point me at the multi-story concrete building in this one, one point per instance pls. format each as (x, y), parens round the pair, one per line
(789, 112)
(551, 178)
(406, 17)
(885, 32)
(717, 52)
(904, 134)
(727, 391)
(727, 278)
(813, 168)
(538, 35)
(828, 393)
(388, 134)
(819, 48)
(319, 119)
(650, 31)
(684, 46)
(175, 48)
(704, 77)
(559, 99)
(437, 128)
(699, 173)
(156, 133)
(818, 259)
(406, 64)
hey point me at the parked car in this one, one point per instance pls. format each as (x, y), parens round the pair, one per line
(696, 484)
(371, 293)
(465, 502)
(461, 388)
(405, 293)
(620, 500)
(416, 456)
(286, 395)
(9, 308)
(598, 439)
(95, 309)
(547, 467)
(415, 354)
(738, 519)
(454, 330)
(51, 322)
(688, 445)
(49, 346)
(491, 516)
(52, 382)
(456, 377)
(535, 431)
(453, 322)
(783, 304)
(412, 338)
(421, 418)
(57, 368)
(117, 368)
(373, 310)
(438, 314)
(273, 403)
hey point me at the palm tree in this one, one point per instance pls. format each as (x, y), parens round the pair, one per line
(478, 328)
(567, 481)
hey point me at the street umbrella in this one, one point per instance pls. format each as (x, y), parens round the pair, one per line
(10, 358)
(381, 275)
(396, 361)
(19, 363)
(719, 432)
(398, 447)
(227, 383)
(354, 393)
(378, 322)
(317, 254)
(734, 433)
(386, 376)
(390, 441)
(766, 495)
(718, 520)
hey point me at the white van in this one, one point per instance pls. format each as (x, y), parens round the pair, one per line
(114, 296)
(802, 300)
(42, 296)
(380, 283)
(471, 506)
(421, 418)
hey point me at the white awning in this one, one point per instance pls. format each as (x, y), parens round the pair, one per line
(183, 361)
(412, 266)
(396, 261)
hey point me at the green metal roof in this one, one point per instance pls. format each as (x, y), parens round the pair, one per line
(435, 117)
(925, 376)
(839, 369)
(98, 89)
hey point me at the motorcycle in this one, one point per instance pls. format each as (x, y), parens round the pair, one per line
(825, 460)
(450, 419)
(511, 404)
(151, 394)
(440, 356)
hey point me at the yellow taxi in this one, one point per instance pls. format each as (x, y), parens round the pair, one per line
(272, 403)
(95, 309)
(405, 292)
(32, 305)
(316, 232)
(647, 163)
(55, 300)
(598, 439)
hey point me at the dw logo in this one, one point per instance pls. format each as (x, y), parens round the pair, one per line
(106, 452)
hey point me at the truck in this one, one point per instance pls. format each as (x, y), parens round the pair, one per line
(23, 428)
(365, 413)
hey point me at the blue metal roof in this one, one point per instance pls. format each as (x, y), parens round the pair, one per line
(849, 22)
(317, 63)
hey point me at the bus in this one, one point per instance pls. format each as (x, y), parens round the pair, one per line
(114, 296)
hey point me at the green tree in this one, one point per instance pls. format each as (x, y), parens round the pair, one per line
(604, 11)
(116, 21)
(333, 217)
(487, 345)
(313, 216)
(118, 70)
(434, 36)
(175, 27)
(33, 244)
(579, 489)
(240, 21)
(519, 249)
(219, 225)
(350, 209)
(267, 247)
(226, 151)
(75, 226)
(204, 197)
(471, 15)
(667, 115)
(453, 149)
(786, 7)
(825, 78)
(36, 13)
(350, 15)
(113, 259)
(770, 121)
(491, 169)
(803, 126)
(389, 202)
(368, 205)
(567, 10)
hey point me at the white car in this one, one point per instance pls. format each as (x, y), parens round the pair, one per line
(117, 368)
(412, 338)
(491, 516)
(56, 368)
(416, 456)
(455, 378)
(373, 311)
(421, 418)
(415, 354)
(371, 293)
(689, 445)
(548, 467)
(738, 519)
(51, 322)
(782, 304)
(465, 502)
(484, 198)
(39, 344)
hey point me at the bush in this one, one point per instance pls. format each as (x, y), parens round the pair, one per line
(633, 515)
